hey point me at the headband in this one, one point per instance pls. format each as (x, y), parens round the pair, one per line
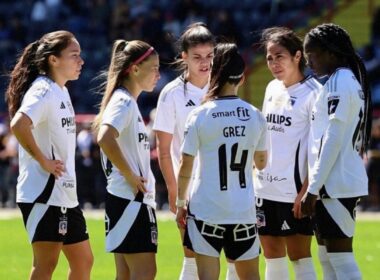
(141, 58)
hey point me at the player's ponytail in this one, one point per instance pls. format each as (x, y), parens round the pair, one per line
(228, 67)
(124, 55)
(34, 61)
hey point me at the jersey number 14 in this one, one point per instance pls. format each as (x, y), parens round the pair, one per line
(234, 166)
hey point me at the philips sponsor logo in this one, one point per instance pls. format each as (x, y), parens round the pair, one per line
(68, 121)
(279, 119)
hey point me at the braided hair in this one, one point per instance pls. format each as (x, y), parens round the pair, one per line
(336, 40)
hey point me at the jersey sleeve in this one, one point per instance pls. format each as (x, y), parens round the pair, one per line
(165, 114)
(262, 143)
(190, 143)
(118, 114)
(36, 104)
(331, 147)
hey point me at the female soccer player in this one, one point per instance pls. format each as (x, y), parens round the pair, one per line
(228, 135)
(282, 183)
(340, 132)
(131, 226)
(43, 121)
(177, 99)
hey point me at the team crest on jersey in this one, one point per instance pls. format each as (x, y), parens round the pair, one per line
(292, 100)
(260, 216)
(332, 104)
(154, 235)
(62, 226)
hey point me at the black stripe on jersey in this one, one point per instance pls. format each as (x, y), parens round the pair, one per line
(48, 189)
(323, 193)
(357, 129)
(297, 176)
(320, 146)
(139, 196)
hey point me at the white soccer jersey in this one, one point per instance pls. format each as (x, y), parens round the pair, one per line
(176, 101)
(54, 130)
(288, 115)
(123, 114)
(224, 133)
(341, 98)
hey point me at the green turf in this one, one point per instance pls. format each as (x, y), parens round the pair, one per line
(15, 252)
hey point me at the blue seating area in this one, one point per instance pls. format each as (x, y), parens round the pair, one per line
(96, 23)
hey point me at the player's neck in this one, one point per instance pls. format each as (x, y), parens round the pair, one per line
(199, 82)
(229, 90)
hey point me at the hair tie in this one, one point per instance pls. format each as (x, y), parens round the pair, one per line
(236, 76)
(140, 59)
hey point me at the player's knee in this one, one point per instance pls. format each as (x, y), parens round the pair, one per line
(149, 273)
(299, 253)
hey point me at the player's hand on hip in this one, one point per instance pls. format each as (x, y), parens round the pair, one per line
(137, 182)
(53, 166)
(308, 204)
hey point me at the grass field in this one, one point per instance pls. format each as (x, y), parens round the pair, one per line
(15, 252)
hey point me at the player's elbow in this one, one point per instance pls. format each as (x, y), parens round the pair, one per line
(260, 159)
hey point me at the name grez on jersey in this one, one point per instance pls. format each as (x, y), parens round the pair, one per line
(234, 131)
(69, 123)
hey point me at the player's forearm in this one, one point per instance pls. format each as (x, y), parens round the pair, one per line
(113, 152)
(21, 128)
(166, 166)
(184, 176)
(329, 154)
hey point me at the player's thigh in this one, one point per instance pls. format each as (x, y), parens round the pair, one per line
(335, 223)
(187, 252)
(122, 269)
(79, 255)
(273, 246)
(298, 246)
(248, 269)
(141, 265)
(46, 253)
(208, 267)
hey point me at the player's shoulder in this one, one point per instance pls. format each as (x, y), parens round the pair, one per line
(121, 97)
(341, 81)
(42, 86)
(274, 85)
(311, 83)
(172, 88)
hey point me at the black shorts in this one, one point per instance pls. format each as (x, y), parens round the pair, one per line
(277, 219)
(53, 223)
(239, 241)
(131, 226)
(335, 217)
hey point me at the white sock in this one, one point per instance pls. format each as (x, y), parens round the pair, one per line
(304, 269)
(231, 272)
(345, 266)
(328, 270)
(189, 269)
(276, 269)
